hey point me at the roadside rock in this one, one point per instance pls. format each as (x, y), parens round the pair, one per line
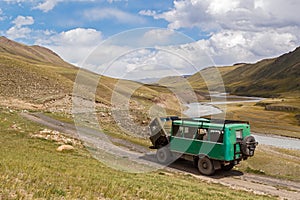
(15, 127)
(65, 147)
(58, 137)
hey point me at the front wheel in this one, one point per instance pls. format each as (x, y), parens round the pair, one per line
(163, 155)
(205, 166)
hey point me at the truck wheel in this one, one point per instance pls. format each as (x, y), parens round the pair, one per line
(205, 166)
(248, 145)
(163, 155)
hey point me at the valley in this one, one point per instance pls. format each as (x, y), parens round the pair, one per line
(37, 93)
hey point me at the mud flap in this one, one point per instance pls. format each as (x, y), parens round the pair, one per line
(217, 164)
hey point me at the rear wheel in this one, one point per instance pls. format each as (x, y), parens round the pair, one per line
(163, 155)
(205, 166)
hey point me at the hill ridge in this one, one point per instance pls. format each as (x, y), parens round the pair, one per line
(269, 77)
(34, 52)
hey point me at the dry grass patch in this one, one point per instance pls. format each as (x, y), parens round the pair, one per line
(272, 161)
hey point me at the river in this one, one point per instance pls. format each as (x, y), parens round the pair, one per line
(202, 109)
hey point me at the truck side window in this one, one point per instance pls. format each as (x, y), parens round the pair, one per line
(181, 131)
(201, 134)
(216, 136)
(189, 132)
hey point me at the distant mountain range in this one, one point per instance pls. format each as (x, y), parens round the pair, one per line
(37, 74)
(267, 78)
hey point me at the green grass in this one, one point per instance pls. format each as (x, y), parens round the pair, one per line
(32, 168)
(274, 162)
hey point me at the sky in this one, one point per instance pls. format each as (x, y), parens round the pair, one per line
(139, 39)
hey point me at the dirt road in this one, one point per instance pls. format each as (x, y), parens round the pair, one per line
(282, 189)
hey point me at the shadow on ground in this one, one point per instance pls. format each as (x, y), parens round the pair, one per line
(187, 166)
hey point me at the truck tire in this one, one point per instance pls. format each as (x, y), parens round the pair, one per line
(248, 146)
(163, 155)
(206, 166)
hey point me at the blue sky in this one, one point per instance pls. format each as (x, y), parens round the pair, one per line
(229, 31)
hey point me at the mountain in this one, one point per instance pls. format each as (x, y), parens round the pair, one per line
(32, 72)
(269, 77)
(34, 53)
(266, 78)
(39, 76)
(198, 82)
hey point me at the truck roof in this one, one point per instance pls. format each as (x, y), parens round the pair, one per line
(210, 123)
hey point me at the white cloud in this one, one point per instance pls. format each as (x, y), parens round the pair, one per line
(44, 5)
(228, 14)
(47, 5)
(1, 15)
(147, 63)
(158, 36)
(137, 63)
(18, 30)
(147, 12)
(78, 36)
(228, 46)
(240, 30)
(15, 32)
(73, 45)
(112, 1)
(17, 1)
(23, 21)
(187, 14)
(143, 53)
(216, 7)
(97, 14)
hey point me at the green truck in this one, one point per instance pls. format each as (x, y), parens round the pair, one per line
(210, 143)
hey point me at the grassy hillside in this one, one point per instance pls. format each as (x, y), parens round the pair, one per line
(33, 54)
(207, 77)
(268, 78)
(31, 168)
(35, 78)
(38, 75)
